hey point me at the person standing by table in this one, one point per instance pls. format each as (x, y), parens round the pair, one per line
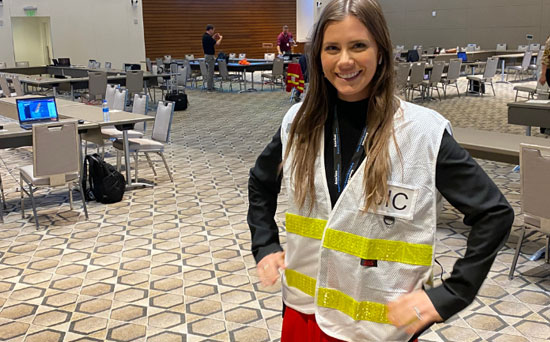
(284, 41)
(545, 73)
(209, 42)
(364, 173)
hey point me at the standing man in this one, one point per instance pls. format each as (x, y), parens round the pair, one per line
(284, 41)
(209, 41)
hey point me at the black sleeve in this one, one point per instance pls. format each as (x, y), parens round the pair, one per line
(468, 188)
(264, 186)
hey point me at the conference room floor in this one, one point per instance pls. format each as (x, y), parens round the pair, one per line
(173, 262)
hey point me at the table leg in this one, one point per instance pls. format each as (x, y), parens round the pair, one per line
(54, 91)
(127, 157)
(502, 67)
(72, 92)
(528, 131)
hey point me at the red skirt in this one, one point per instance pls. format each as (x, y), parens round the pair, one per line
(299, 327)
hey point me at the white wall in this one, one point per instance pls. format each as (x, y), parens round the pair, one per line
(103, 30)
(305, 17)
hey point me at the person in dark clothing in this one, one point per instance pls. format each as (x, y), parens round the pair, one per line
(363, 172)
(209, 42)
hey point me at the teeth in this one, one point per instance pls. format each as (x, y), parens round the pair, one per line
(349, 75)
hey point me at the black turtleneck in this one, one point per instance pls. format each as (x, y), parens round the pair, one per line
(352, 117)
(458, 178)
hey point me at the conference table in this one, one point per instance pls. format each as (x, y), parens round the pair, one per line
(75, 77)
(13, 135)
(529, 113)
(503, 58)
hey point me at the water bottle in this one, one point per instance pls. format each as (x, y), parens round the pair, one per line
(106, 116)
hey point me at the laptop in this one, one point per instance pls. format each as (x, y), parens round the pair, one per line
(36, 110)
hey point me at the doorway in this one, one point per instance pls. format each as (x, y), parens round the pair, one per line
(32, 40)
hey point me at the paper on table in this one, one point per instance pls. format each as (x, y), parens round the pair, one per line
(538, 101)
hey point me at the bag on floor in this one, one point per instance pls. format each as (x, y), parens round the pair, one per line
(179, 99)
(107, 185)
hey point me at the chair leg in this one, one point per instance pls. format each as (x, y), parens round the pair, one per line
(516, 255)
(3, 196)
(516, 98)
(33, 206)
(83, 202)
(494, 94)
(546, 256)
(151, 164)
(70, 196)
(166, 166)
(136, 166)
(118, 160)
(21, 190)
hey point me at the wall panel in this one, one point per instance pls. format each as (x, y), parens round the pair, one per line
(175, 27)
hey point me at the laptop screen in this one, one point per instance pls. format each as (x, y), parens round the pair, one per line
(36, 109)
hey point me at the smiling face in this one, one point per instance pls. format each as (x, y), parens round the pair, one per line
(349, 58)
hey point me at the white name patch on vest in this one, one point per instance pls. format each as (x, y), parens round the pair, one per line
(400, 203)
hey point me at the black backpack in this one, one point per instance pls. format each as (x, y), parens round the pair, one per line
(223, 56)
(107, 185)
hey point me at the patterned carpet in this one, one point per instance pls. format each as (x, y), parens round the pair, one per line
(173, 262)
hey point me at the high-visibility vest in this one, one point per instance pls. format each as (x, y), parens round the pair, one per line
(294, 77)
(343, 264)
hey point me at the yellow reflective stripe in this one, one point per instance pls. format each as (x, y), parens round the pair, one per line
(359, 311)
(302, 282)
(292, 74)
(305, 226)
(376, 249)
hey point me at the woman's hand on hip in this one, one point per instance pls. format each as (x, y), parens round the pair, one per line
(268, 268)
(413, 312)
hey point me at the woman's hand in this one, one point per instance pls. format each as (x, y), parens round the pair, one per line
(413, 312)
(268, 268)
(542, 79)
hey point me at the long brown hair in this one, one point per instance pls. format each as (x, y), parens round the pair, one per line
(308, 125)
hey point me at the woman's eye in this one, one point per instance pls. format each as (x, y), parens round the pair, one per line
(359, 45)
(331, 48)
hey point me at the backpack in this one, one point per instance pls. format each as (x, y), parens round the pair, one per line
(107, 185)
(222, 55)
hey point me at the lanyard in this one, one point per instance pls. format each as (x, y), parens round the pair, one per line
(337, 152)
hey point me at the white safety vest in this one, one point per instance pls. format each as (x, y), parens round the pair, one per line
(328, 248)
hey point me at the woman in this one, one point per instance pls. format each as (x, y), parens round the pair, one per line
(363, 171)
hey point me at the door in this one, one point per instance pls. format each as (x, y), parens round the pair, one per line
(32, 40)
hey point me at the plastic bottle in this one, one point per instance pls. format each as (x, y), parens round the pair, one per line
(106, 115)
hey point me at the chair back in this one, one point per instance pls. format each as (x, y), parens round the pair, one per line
(204, 70)
(190, 57)
(534, 165)
(526, 60)
(534, 46)
(269, 56)
(417, 73)
(222, 66)
(278, 67)
(160, 65)
(523, 47)
(5, 86)
(97, 83)
(490, 68)
(437, 72)
(120, 99)
(108, 65)
(402, 75)
(17, 86)
(453, 73)
(181, 74)
(430, 50)
(399, 47)
(242, 55)
(232, 55)
(134, 81)
(539, 56)
(148, 64)
(3, 65)
(110, 94)
(55, 150)
(163, 121)
(21, 64)
(140, 107)
(501, 47)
